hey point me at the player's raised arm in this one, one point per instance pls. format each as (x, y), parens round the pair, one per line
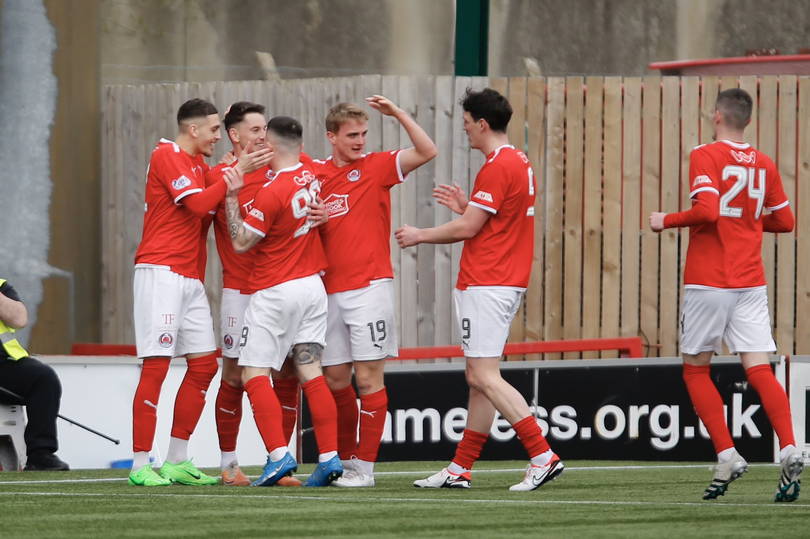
(423, 149)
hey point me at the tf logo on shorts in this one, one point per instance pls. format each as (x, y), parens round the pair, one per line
(165, 340)
(228, 341)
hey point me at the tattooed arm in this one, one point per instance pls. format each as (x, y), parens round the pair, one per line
(242, 238)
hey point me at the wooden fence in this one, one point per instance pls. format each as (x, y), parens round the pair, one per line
(606, 152)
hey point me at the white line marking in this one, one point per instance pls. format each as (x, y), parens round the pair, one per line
(407, 500)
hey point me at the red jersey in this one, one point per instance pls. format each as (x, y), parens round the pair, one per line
(727, 253)
(501, 253)
(171, 233)
(357, 237)
(290, 248)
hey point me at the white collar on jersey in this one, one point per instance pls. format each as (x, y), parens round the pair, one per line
(288, 169)
(738, 145)
(498, 150)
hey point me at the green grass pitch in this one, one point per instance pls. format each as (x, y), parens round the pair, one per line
(590, 499)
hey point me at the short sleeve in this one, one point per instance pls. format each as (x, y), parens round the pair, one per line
(176, 176)
(386, 168)
(8, 291)
(703, 174)
(265, 208)
(490, 188)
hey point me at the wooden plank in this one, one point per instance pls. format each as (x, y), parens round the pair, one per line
(390, 140)
(592, 214)
(650, 202)
(553, 306)
(707, 99)
(535, 116)
(611, 235)
(120, 261)
(572, 233)
(408, 214)
(443, 170)
(785, 243)
(670, 202)
(461, 175)
(729, 81)
(372, 85)
(690, 137)
(108, 181)
(767, 144)
(631, 208)
(425, 215)
(803, 217)
(517, 137)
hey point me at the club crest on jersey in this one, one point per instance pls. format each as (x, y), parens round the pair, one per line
(483, 195)
(353, 176)
(181, 183)
(270, 175)
(701, 179)
(337, 205)
(165, 340)
(257, 213)
(305, 178)
(228, 341)
(745, 158)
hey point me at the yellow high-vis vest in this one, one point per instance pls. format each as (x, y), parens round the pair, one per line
(13, 348)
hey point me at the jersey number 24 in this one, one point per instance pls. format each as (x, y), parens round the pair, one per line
(753, 178)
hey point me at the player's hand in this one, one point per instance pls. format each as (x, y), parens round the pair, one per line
(657, 221)
(316, 212)
(383, 104)
(453, 197)
(234, 179)
(251, 161)
(407, 236)
(228, 159)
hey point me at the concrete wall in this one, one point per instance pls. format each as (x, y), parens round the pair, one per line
(622, 37)
(208, 40)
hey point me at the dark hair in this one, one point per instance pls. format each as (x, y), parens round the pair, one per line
(735, 105)
(237, 112)
(287, 129)
(489, 105)
(195, 108)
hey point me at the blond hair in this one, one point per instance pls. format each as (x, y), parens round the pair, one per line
(342, 113)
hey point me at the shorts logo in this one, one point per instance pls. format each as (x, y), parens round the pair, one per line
(257, 213)
(228, 341)
(337, 205)
(181, 183)
(483, 195)
(701, 179)
(353, 176)
(165, 340)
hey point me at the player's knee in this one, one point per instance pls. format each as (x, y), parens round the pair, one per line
(203, 367)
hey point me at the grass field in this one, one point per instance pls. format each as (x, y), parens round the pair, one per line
(591, 499)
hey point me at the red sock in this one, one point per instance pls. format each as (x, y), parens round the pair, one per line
(288, 391)
(469, 448)
(346, 402)
(531, 436)
(144, 405)
(266, 411)
(708, 405)
(373, 411)
(190, 400)
(228, 415)
(324, 414)
(775, 402)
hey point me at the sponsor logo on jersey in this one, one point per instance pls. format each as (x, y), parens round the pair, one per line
(197, 170)
(165, 340)
(181, 183)
(228, 340)
(483, 195)
(746, 158)
(257, 213)
(336, 205)
(305, 178)
(353, 176)
(701, 179)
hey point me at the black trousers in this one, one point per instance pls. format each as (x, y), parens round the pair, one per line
(41, 391)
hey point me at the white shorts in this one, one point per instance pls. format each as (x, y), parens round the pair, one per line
(280, 317)
(484, 316)
(740, 317)
(232, 319)
(172, 316)
(361, 325)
